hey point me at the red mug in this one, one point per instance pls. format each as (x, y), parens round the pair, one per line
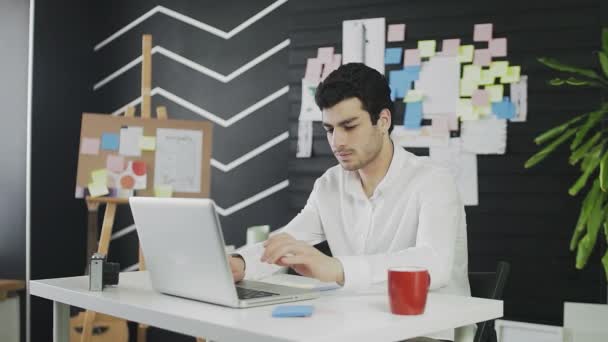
(407, 290)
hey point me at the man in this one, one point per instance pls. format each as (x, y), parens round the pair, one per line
(381, 207)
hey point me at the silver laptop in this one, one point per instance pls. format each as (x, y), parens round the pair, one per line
(183, 246)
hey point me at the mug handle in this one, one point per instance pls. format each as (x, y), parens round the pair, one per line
(429, 276)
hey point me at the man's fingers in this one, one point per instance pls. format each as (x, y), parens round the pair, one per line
(289, 248)
(293, 260)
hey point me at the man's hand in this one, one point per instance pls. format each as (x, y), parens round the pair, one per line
(282, 249)
(238, 268)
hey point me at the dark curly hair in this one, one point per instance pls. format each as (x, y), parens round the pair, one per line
(360, 81)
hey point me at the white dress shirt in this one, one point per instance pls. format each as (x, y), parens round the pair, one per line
(414, 218)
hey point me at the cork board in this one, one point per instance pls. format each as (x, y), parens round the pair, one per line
(181, 150)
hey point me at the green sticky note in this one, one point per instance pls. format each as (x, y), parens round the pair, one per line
(512, 76)
(499, 69)
(100, 177)
(413, 96)
(163, 191)
(482, 110)
(486, 77)
(465, 53)
(427, 48)
(147, 143)
(96, 189)
(496, 92)
(471, 72)
(467, 87)
(465, 110)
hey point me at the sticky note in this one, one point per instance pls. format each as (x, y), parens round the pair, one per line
(313, 70)
(89, 146)
(129, 141)
(413, 115)
(467, 87)
(449, 47)
(392, 55)
(396, 33)
(480, 98)
(495, 92)
(486, 77)
(413, 96)
(427, 48)
(401, 80)
(147, 143)
(96, 190)
(325, 54)
(465, 53)
(482, 111)
(79, 192)
(110, 141)
(465, 110)
(163, 190)
(498, 47)
(100, 176)
(482, 32)
(293, 311)
(512, 76)
(499, 68)
(115, 163)
(482, 57)
(504, 109)
(471, 72)
(411, 57)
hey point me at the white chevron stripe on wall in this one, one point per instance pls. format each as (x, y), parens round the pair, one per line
(195, 66)
(190, 21)
(251, 154)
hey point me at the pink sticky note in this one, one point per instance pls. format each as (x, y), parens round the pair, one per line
(439, 126)
(313, 70)
(411, 57)
(325, 54)
(498, 47)
(482, 32)
(115, 163)
(89, 146)
(480, 98)
(482, 57)
(396, 33)
(450, 47)
(330, 67)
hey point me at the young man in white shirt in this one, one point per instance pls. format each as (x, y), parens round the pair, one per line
(380, 207)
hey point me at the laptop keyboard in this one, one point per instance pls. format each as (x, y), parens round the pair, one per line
(244, 293)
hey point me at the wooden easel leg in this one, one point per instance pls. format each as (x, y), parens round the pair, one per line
(142, 333)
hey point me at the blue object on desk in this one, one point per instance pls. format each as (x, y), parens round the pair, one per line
(293, 311)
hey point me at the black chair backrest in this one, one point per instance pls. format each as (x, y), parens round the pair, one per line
(488, 285)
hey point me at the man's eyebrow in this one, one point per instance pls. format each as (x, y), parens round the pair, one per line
(341, 123)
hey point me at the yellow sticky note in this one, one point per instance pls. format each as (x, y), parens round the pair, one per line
(496, 92)
(100, 177)
(471, 72)
(427, 48)
(413, 96)
(499, 69)
(486, 77)
(465, 110)
(467, 87)
(163, 190)
(147, 143)
(482, 110)
(465, 53)
(512, 76)
(96, 189)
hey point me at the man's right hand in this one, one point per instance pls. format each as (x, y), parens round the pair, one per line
(238, 268)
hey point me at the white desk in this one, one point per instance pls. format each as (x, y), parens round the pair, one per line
(338, 315)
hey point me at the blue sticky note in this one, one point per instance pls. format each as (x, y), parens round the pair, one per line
(413, 115)
(393, 92)
(293, 311)
(110, 141)
(504, 109)
(401, 80)
(392, 55)
(412, 72)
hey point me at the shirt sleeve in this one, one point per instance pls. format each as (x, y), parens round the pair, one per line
(306, 226)
(440, 215)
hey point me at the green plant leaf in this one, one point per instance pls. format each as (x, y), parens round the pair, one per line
(559, 66)
(542, 154)
(585, 246)
(555, 131)
(556, 82)
(582, 180)
(592, 120)
(603, 62)
(605, 263)
(605, 39)
(604, 173)
(573, 81)
(582, 150)
(586, 207)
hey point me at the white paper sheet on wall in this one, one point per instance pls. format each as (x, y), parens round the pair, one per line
(309, 111)
(439, 82)
(484, 136)
(363, 41)
(463, 166)
(519, 96)
(178, 159)
(305, 131)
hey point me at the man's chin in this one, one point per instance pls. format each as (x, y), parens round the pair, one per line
(349, 166)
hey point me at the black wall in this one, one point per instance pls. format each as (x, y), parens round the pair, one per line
(524, 216)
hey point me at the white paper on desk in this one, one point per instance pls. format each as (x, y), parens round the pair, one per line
(487, 135)
(305, 131)
(363, 41)
(439, 82)
(178, 159)
(463, 166)
(519, 96)
(309, 111)
(129, 141)
(300, 282)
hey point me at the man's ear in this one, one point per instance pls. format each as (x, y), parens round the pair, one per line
(384, 119)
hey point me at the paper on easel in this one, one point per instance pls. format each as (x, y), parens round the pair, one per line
(519, 96)
(129, 141)
(309, 111)
(178, 159)
(439, 82)
(363, 41)
(305, 131)
(463, 166)
(487, 135)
